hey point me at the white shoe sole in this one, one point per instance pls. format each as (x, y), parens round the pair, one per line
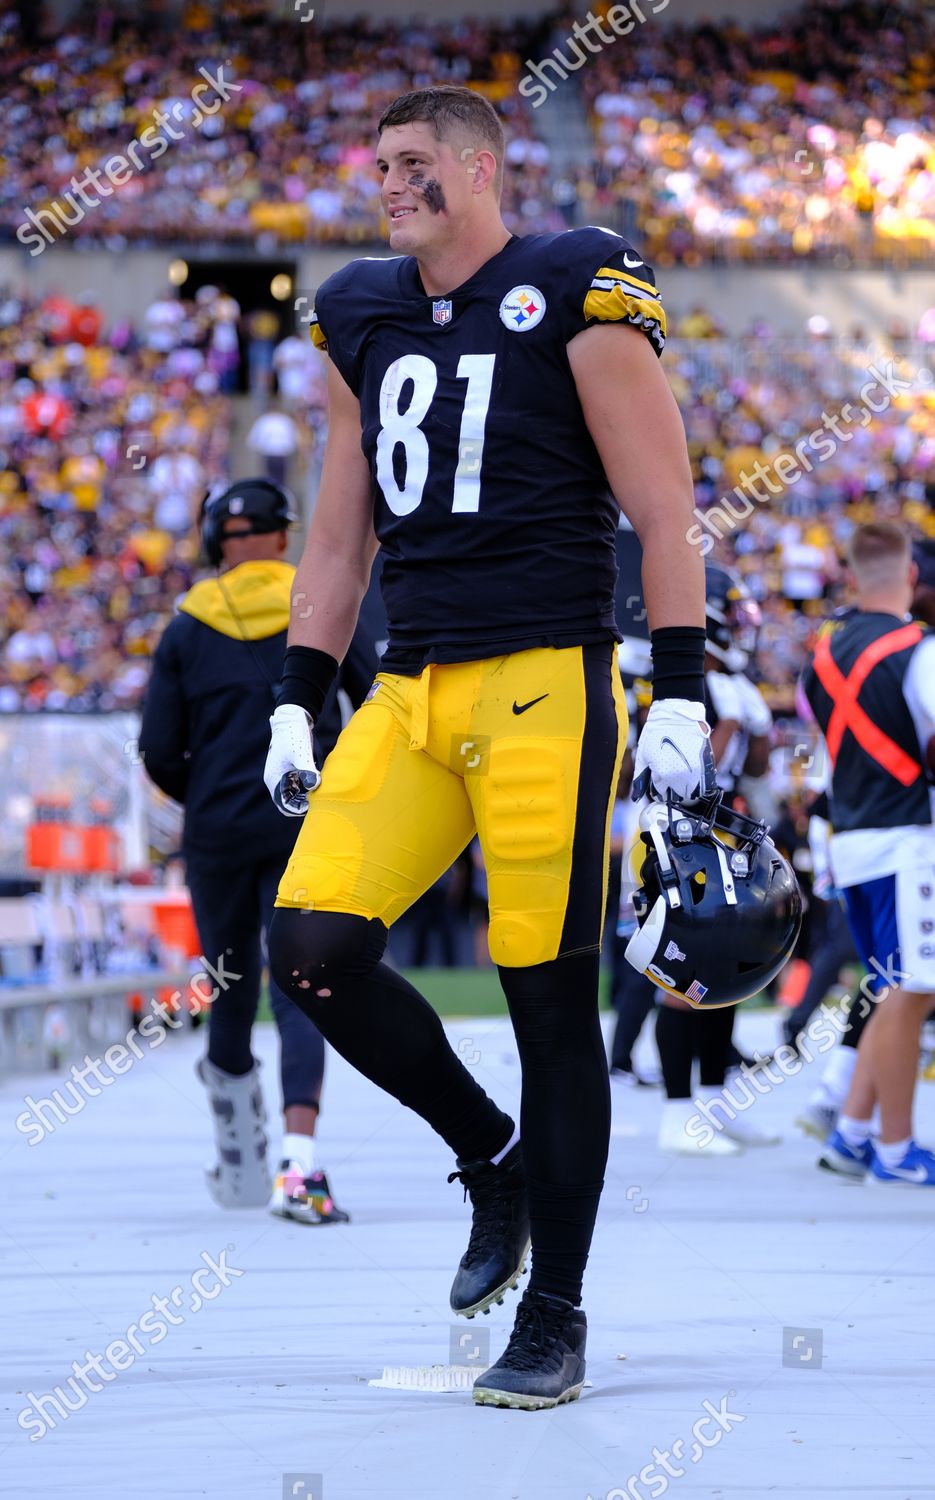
(489, 1396)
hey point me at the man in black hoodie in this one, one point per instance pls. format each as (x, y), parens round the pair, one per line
(203, 741)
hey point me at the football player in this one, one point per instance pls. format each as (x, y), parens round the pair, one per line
(487, 397)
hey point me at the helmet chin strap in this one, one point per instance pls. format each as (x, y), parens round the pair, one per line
(653, 819)
(727, 879)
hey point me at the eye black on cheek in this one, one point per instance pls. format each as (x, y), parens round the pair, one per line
(434, 196)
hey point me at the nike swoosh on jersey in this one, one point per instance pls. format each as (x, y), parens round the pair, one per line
(520, 708)
(631, 264)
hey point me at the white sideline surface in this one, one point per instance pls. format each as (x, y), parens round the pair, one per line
(697, 1268)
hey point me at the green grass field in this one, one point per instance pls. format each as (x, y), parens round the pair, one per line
(466, 992)
(455, 992)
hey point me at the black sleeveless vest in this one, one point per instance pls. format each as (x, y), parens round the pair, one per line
(854, 683)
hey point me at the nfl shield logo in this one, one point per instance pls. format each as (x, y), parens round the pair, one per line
(441, 311)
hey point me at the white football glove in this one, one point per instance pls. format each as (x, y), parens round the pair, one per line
(673, 753)
(290, 772)
(756, 717)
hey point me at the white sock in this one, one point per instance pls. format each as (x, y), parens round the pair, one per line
(496, 1160)
(836, 1079)
(855, 1132)
(300, 1149)
(891, 1153)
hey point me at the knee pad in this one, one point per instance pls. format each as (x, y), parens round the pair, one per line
(310, 950)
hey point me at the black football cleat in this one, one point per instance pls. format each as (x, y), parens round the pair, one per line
(543, 1364)
(495, 1258)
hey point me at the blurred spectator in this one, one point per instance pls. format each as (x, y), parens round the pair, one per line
(262, 328)
(276, 438)
(294, 360)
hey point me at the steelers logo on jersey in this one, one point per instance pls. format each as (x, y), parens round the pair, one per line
(522, 308)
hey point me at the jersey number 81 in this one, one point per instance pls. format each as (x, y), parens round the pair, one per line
(404, 427)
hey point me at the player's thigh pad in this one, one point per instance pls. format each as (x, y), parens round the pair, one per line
(383, 825)
(543, 812)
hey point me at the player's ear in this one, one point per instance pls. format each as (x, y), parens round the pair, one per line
(482, 166)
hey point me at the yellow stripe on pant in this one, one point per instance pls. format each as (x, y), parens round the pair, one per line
(524, 749)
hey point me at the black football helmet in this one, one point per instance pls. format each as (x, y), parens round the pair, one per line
(732, 618)
(719, 908)
(267, 506)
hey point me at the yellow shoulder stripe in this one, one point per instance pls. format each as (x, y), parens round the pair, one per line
(615, 275)
(318, 335)
(616, 307)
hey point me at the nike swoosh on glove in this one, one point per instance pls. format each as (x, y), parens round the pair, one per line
(290, 772)
(673, 753)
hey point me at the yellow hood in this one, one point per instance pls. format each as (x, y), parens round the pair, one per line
(249, 603)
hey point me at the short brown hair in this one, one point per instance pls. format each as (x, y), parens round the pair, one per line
(450, 110)
(876, 551)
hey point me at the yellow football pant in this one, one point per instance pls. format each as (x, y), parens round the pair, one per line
(524, 750)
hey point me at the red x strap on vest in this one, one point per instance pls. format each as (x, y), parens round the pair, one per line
(847, 712)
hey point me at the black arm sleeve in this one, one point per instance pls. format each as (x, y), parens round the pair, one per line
(164, 730)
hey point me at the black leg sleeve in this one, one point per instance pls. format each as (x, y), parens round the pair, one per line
(565, 1118)
(329, 964)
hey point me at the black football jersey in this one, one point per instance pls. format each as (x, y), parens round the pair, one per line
(490, 500)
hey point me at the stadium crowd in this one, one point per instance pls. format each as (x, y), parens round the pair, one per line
(753, 402)
(109, 437)
(811, 135)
